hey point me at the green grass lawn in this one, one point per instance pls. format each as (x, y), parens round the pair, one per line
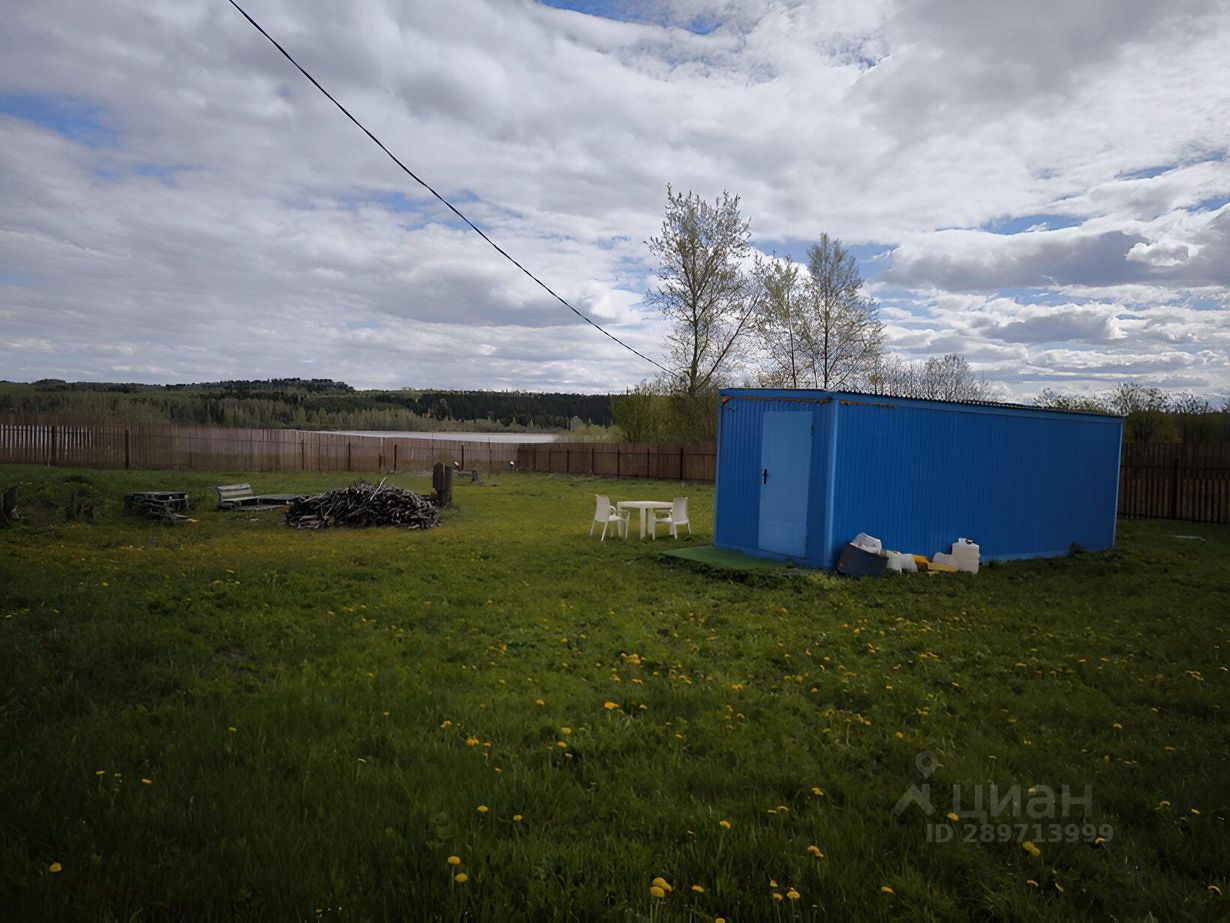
(234, 719)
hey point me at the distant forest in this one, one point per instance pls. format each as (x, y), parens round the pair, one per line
(317, 403)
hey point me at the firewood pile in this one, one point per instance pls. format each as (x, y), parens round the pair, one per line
(363, 504)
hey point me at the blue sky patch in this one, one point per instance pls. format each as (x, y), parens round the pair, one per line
(1209, 205)
(634, 11)
(71, 117)
(1148, 172)
(1021, 223)
(872, 258)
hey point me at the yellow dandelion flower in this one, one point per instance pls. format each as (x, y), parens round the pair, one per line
(610, 706)
(565, 731)
(817, 791)
(772, 883)
(1059, 887)
(516, 818)
(387, 713)
(454, 860)
(816, 851)
(793, 894)
(147, 781)
(1194, 810)
(232, 729)
(461, 878)
(899, 735)
(952, 815)
(885, 889)
(55, 867)
(656, 891)
(1117, 726)
(561, 744)
(724, 824)
(698, 889)
(446, 724)
(472, 741)
(100, 772)
(777, 895)
(1031, 882)
(539, 702)
(483, 809)
(782, 809)
(1030, 848)
(662, 883)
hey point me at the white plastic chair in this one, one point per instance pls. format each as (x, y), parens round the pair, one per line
(606, 514)
(675, 517)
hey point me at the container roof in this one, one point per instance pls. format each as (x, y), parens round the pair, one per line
(819, 394)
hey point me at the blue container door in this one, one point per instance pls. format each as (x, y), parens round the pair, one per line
(785, 469)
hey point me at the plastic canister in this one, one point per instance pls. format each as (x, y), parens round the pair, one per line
(945, 559)
(867, 543)
(966, 551)
(902, 563)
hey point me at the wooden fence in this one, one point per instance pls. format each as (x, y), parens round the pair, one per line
(203, 448)
(1156, 480)
(666, 461)
(1163, 481)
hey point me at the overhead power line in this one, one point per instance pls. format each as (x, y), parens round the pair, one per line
(449, 205)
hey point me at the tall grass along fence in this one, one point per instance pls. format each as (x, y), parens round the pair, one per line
(666, 461)
(203, 448)
(1167, 481)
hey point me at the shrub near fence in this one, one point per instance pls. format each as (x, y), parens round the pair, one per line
(665, 461)
(170, 447)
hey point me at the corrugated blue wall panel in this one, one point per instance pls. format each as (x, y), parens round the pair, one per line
(919, 474)
(1020, 483)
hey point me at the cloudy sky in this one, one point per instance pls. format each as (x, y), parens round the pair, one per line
(1043, 187)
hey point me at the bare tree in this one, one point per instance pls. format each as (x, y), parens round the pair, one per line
(843, 335)
(949, 378)
(780, 322)
(703, 289)
(1083, 403)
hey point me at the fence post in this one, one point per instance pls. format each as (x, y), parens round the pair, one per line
(618, 467)
(463, 455)
(127, 453)
(567, 461)
(681, 463)
(53, 445)
(1174, 485)
(347, 454)
(593, 457)
(395, 458)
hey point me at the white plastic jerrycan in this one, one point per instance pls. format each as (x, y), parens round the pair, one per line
(965, 551)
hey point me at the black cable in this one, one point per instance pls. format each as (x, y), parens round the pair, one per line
(425, 185)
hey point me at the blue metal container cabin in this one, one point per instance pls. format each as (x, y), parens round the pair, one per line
(800, 473)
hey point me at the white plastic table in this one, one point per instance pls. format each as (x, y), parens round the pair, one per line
(644, 506)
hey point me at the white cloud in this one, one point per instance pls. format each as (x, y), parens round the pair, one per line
(236, 225)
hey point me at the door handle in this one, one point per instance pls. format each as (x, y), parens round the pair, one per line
(765, 475)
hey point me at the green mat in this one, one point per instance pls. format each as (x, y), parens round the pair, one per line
(723, 559)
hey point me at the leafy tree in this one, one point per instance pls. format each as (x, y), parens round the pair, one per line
(703, 288)
(842, 334)
(780, 323)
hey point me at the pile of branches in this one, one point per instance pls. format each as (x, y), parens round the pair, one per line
(361, 505)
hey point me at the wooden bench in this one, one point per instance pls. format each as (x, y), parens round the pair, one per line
(241, 497)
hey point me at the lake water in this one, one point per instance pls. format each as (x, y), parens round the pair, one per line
(455, 437)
